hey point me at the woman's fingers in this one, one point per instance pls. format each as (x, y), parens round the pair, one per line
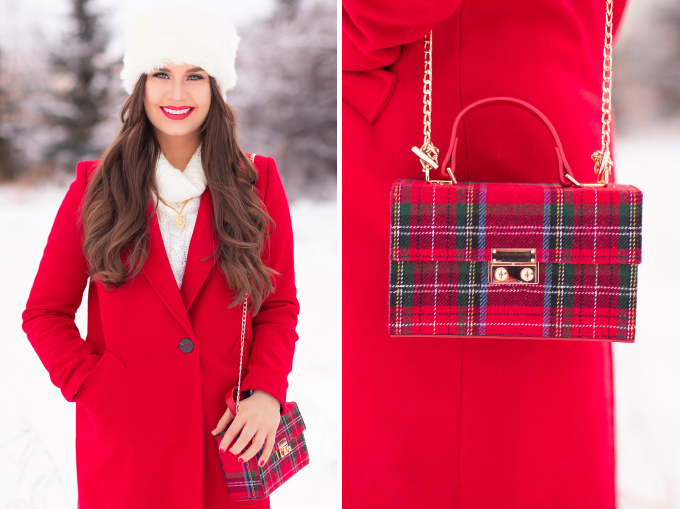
(251, 451)
(268, 447)
(257, 420)
(236, 424)
(246, 434)
(223, 422)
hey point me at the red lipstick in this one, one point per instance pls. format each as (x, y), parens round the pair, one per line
(175, 116)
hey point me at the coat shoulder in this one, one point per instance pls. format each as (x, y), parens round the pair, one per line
(87, 168)
(263, 165)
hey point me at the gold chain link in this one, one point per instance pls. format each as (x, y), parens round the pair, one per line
(243, 336)
(179, 212)
(602, 157)
(180, 222)
(427, 89)
(428, 153)
(428, 148)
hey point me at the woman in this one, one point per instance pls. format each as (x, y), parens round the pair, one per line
(467, 423)
(167, 281)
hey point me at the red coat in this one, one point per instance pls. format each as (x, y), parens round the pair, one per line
(467, 423)
(146, 409)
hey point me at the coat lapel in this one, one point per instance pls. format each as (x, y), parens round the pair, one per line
(159, 273)
(204, 242)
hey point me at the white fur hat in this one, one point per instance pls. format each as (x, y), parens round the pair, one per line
(180, 32)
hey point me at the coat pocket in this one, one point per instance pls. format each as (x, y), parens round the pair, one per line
(100, 379)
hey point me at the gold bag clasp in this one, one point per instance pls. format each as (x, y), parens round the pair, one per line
(513, 266)
(284, 448)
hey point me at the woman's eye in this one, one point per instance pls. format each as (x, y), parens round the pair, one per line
(191, 76)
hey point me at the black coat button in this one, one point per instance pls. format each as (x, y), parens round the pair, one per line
(186, 345)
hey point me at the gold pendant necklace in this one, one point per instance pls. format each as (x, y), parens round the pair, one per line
(180, 221)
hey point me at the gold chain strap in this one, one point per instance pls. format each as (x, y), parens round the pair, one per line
(428, 153)
(240, 364)
(428, 147)
(602, 157)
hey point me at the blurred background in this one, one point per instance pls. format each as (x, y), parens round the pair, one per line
(60, 100)
(60, 94)
(646, 98)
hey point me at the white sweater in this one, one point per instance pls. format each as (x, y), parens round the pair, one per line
(176, 186)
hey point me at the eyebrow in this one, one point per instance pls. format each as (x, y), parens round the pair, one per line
(193, 69)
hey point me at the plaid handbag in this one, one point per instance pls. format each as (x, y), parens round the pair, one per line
(514, 260)
(248, 480)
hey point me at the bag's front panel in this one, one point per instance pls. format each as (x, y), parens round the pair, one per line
(280, 467)
(586, 243)
(570, 301)
(276, 471)
(465, 222)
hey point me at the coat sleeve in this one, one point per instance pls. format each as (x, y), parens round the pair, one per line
(373, 34)
(274, 334)
(56, 295)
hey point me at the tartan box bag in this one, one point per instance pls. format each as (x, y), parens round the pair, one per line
(580, 267)
(249, 480)
(513, 260)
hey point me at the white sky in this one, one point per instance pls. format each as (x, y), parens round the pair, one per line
(19, 17)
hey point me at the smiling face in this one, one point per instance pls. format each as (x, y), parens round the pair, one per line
(177, 99)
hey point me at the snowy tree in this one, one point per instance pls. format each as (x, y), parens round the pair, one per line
(8, 154)
(646, 65)
(286, 93)
(81, 86)
(668, 78)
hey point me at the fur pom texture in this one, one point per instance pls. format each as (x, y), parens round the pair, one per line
(180, 32)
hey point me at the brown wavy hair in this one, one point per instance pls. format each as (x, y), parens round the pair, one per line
(114, 213)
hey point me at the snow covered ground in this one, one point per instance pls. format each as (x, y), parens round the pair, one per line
(646, 374)
(37, 426)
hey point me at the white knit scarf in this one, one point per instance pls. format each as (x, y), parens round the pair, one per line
(176, 186)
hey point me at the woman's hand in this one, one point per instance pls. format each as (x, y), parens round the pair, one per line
(258, 419)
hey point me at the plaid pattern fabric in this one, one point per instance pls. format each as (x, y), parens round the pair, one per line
(570, 301)
(587, 243)
(255, 482)
(464, 222)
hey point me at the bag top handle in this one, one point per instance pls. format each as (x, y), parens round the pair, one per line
(428, 153)
(450, 158)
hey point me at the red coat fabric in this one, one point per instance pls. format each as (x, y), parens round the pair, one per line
(144, 408)
(466, 423)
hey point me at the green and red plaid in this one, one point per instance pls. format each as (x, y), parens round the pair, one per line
(248, 480)
(587, 243)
